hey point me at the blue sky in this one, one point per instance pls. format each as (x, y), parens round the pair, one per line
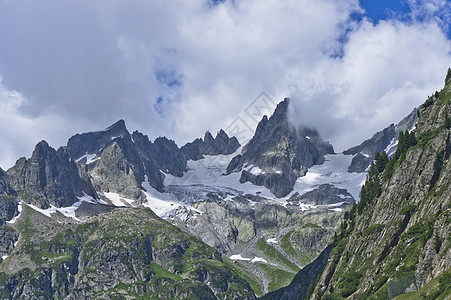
(383, 9)
(179, 68)
(406, 10)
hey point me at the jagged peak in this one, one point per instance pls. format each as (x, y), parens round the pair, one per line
(118, 125)
(222, 133)
(208, 136)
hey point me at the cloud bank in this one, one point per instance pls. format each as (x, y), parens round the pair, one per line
(180, 68)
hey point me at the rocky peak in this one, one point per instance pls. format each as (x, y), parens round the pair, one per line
(282, 152)
(117, 129)
(49, 177)
(168, 157)
(384, 140)
(208, 137)
(5, 187)
(92, 142)
(221, 144)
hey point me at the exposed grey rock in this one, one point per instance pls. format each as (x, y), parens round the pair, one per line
(380, 141)
(168, 156)
(163, 155)
(278, 148)
(49, 177)
(8, 209)
(119, 170)
(399, 241)
(325, 194)
(221, 144)
(92, 142)
(5, 187)
(8, 237)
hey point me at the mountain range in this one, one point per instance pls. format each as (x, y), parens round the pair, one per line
(113, 215)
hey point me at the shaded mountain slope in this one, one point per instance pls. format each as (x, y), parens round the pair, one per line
(396, 240)
(279, 152)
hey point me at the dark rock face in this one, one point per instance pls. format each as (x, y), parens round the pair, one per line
(221, 144)
(163, 153)
(93, 142)
(365, 152)
(278, 148)
(5, 187)
(8, 236)
(368, 149)
(8, 209)
(49, 177)
(325, 194)
(299, 287)
(168, 156)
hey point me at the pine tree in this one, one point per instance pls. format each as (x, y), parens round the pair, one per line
(448, 76)
(447, 121)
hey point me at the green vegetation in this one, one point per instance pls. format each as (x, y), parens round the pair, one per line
(438, 288)
(253, 281)
(277, 277)
(349, 283)
(287, 245)
(373, 229)
(274, 255)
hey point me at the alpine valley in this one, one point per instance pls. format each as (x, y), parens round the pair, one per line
(113, 215)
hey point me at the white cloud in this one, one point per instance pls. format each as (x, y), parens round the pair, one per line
(180, 68)
(20, 133)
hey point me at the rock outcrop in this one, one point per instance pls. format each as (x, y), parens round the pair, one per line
(281, 153)
(93, 142)
(49, 177)
(221, 144)
(385, 140)
(396, 240)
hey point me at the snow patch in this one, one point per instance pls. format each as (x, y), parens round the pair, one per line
(117, 200)
(160, 203)
(336, 209)
(258, 259)
(337, 204)
(333, 171)
(390, 149)
(14, 219)
(306, 207)
(238, 257)
(68, 211)
(256, 171)
(89, 158)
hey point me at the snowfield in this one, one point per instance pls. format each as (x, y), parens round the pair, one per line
(207, 176)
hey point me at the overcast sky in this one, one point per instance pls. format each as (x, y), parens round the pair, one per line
(179, 68)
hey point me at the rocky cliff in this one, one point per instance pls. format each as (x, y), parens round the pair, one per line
(279, 152)
(49, 177)
(221, 144)
(385, 140)
(395, 242)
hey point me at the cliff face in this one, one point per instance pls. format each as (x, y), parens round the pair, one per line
(281, 152)
(395, 242)
(399, 241)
